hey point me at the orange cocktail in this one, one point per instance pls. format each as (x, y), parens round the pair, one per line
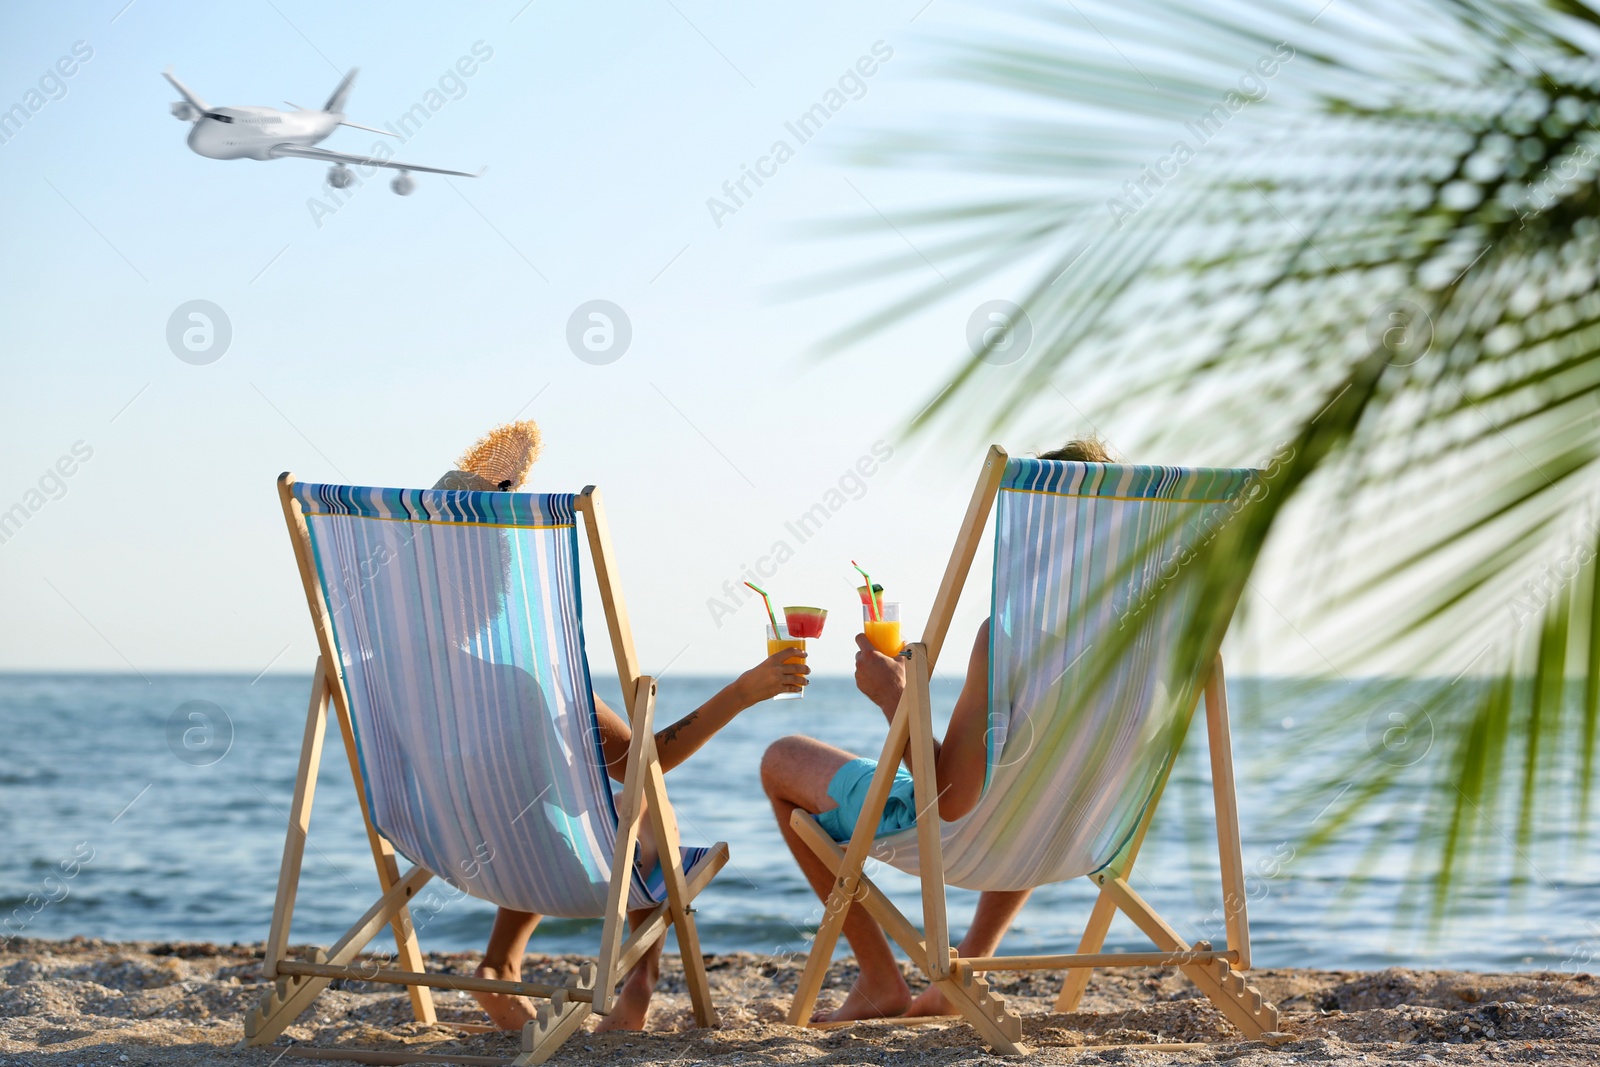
(777, 642)
(883, 631)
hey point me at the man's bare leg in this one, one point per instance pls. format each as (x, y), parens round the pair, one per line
(502, 961)
(795, 771)
(990, 921)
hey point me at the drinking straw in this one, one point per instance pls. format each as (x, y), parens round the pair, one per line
(770, 615)
(872, 601)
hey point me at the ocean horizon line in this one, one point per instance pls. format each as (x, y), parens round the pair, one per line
(254, 676)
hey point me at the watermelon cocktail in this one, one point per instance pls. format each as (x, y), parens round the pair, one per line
(805, 622)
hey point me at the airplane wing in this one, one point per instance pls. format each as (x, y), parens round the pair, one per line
(300, 151)
(188, 94)
(369, 129)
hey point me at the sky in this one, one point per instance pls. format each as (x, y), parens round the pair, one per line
(373, 337)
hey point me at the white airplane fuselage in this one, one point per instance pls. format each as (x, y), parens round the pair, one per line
(266, 133)
(251, 132)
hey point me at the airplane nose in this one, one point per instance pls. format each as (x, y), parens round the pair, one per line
(203, 140)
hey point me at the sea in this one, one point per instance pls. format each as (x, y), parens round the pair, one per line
(155, 808)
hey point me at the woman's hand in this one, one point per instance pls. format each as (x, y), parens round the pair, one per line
(773, 676)
(882, 678)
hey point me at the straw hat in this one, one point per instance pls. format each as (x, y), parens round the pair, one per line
(500, 461)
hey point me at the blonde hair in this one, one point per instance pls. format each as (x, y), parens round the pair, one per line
(1081, 450)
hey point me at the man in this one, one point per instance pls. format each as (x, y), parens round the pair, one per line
(832, 784)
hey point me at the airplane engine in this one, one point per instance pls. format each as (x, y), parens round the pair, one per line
(404, 184)
(341, 176)
(183, 111)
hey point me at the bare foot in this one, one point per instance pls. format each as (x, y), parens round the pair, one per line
(505, 1011)
(632, 1006)
(870, 1001)
(930, 1002)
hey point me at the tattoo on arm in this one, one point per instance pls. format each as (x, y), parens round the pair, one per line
(666, 736)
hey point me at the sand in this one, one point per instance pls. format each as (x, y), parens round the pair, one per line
(75, 1002)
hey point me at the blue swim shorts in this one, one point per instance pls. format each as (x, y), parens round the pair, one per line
(849, 790)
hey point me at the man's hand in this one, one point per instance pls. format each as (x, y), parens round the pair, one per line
(882, 678)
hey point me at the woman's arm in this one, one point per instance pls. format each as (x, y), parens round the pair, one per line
(682, 739)
(961, 760)
(773, 675)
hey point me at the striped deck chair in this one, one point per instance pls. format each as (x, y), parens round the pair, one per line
(1080, 746)
(452, 652)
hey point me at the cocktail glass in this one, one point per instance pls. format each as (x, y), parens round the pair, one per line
(884, 631)
(778, 640)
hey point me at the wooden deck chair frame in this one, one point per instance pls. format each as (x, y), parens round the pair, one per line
(1217, 973)
(562, 1008)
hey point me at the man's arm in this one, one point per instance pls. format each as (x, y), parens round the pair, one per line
(961, 759)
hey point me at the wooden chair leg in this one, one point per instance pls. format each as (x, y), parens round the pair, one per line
(630, 812)
(1225, 987)
(969, 992)
(1225, 801)
(407, 951)
(839, 902)
(289, 997)
(930, 857)
(1093, 940)
(868, 895)
(986, 1011)
(1105, 905)
(294, 842)
(821, 956)
(694, 969)
(848, 873)
(555, 1020)
(671, 860)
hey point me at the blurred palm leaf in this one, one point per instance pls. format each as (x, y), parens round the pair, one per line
(1360, 244)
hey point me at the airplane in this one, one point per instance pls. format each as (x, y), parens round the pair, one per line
(267, 133)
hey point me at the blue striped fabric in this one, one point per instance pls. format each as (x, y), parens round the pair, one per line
(437, 505)
(457, 621)
(1080, 549)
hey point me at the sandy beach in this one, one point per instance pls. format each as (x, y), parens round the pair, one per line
(92, 1002)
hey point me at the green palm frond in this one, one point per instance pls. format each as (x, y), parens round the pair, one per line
(1362, 242)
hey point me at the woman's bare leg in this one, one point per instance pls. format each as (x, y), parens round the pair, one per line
(632, 1006)
(795, 771)
(993, 917)
(502, 961)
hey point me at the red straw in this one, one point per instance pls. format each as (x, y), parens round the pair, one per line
(873, 611)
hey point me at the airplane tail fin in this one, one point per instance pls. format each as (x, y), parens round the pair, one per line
(341, 94)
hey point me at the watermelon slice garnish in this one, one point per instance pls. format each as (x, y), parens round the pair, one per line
(877, 590)
(805, 622)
